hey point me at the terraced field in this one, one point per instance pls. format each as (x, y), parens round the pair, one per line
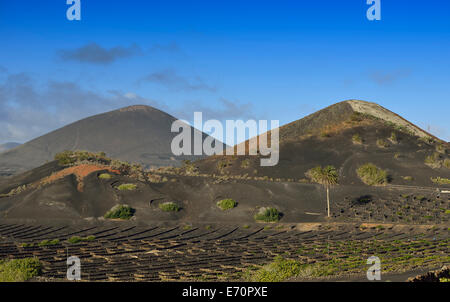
(124, 252)
(426, 207)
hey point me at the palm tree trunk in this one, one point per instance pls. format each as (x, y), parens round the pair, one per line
(328, 200)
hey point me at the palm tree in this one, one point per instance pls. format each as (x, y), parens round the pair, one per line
(326, 176)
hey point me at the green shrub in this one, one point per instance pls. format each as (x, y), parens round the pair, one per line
(77, 239)
(433, 160)
(441, 148)
(357, 139)
(222, 164)
(279, 270)
(19, 270)
(282, 269)
(169, 207)
(447, 212)
(127, 187)
(267, 214)
(441, 181)
(26, 244)
(427, 140)
(372, 175)
(245, 163)
(356, 117)
(105, 176)
(74, 239)
(227, 204)
(324, 134)
(447, 163)
(382, 143)
(393, 138)
(120, 212)
(190, 168)
(48, 242)
(65, 158)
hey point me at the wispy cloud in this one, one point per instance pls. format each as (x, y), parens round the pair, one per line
(96, 54)
(388, 77)
(226, 109)
(27, 111)
(29, 108)
(172, 81)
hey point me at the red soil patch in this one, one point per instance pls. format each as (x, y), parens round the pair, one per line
(80, 171)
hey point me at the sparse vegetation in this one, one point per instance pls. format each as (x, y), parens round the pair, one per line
(105, 176)
(245, 163)
(325, 134)
(77, 239)
(372, 175)
(227, 204)
(420, 197)
(382, 143)
(441, 181)
(357, 139)
(120, 211)
(155, 178)
(267, 214)
(356, 117)
(189, 168)
(169, 206)
(394, 138)
(279, 270)
(408, 178)
(441, 148)
(67, 158)
(19, 270)
(447, 163)
(222, 164)
(27, 244)
(127, 187)
(434, 160)
(48, 242)
(426, 139)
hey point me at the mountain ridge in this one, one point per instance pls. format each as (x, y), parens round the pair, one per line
(137, 133)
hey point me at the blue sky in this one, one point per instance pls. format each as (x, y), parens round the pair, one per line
(229, 59)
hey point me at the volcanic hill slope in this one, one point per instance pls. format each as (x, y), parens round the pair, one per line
(346, 135)
(7, 146)
(173, 229)
(138, 134)
(74, 189)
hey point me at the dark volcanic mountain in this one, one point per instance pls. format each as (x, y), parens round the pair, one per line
(7, 146)
(138, 134)
(346, 135)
